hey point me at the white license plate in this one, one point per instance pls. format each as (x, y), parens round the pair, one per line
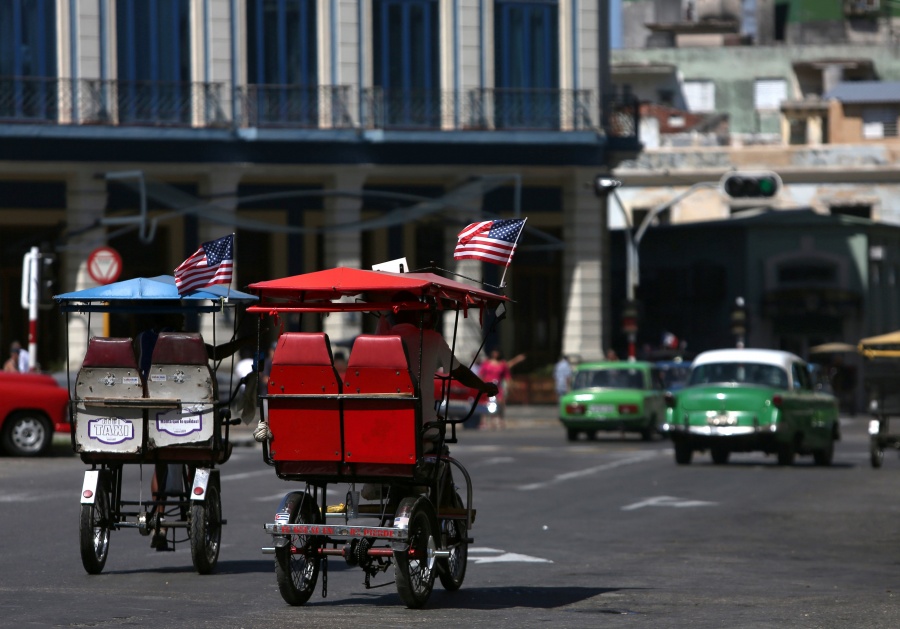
(601, 409)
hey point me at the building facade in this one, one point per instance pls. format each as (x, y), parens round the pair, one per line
(321, 132)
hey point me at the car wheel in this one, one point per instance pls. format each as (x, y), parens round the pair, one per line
(27, 433)
(825, 455)
(572, 434)
(786, 452)
(647, 432)
(683, 452)
(876, 454)
(719, 454)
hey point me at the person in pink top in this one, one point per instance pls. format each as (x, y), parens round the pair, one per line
(495, 369)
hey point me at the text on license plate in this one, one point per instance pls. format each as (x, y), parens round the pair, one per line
(601, 409)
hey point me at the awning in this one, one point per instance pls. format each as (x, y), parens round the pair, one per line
(154, 294)
(832, 348)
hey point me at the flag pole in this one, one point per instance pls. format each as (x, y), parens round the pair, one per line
(511, 252)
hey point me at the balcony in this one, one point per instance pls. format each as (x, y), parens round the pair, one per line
(115, 103)
(94, 102)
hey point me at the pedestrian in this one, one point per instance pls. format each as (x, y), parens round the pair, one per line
(24, 363)
(562, 376)
(495, 369)
(12, 363)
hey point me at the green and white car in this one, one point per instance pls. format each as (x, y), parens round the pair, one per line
(743, 400)
(615, 396)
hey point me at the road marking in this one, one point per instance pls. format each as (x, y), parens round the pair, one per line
(244, 475)
(667, 501)
(501, 556)
(560, 478)
(497, 460)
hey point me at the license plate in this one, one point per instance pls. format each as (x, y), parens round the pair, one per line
(601, 409)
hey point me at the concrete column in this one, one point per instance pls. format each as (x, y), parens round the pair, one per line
(344, 248)
(85, 205)
(469, 333)
(585, 276)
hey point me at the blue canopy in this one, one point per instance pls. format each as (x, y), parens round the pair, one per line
(154, 294)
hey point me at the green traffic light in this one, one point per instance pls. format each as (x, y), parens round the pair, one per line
(767, 186)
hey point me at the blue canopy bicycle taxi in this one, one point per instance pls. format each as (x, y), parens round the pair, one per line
(170, 418)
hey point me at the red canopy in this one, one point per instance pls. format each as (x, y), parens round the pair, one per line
(316, 291)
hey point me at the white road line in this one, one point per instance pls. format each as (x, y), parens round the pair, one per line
(587, 472)
(667, 501)
(244, 475)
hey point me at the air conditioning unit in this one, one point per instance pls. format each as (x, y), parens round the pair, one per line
(861, 7)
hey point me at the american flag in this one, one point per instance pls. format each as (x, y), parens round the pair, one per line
(489, 241)
(213, 263)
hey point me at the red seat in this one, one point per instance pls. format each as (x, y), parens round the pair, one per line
(380, 428)
(306, 425)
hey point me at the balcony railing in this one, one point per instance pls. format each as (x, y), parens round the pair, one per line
(297, 106)
(204, 105)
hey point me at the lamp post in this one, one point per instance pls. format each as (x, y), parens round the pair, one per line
(604, 187)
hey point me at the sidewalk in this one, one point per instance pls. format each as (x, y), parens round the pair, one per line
(518, 416)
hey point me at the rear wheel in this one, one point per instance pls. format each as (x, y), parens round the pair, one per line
(786, 452)
(825, 455)
(720, 455)
(297, 563)
(683, 452)
(206, 530)
(414, 567)
(876, 454)
(94, 529)
(454, 535)
(572, 434)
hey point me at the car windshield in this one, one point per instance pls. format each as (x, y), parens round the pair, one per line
(674, 377)
(746, 373)
(609, 379)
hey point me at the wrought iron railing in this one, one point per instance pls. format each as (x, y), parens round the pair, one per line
(298, 106)
(142, 103)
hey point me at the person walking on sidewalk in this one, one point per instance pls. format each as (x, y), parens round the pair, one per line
(495, 369)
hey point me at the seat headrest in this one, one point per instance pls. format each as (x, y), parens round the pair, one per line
(303, 348)
(179, 348)
(385, 352)
(106, 351)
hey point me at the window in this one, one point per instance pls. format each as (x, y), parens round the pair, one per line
(281, 62)
(700, 96)
(860, 210)
(768, 94)
(153, 57)
(406, 64)
(28, 59)
(526, 64)
(879, 122)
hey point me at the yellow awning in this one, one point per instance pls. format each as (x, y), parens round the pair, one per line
(879, 346)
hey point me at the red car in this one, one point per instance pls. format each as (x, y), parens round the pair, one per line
(32, 408)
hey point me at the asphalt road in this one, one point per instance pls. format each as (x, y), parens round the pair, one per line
(608, 533)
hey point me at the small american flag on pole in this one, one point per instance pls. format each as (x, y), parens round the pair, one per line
(489, 241)
(213, 263)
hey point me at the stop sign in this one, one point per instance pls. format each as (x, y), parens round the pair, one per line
(104, 265)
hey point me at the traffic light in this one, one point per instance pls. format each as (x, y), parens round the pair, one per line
(751, 184)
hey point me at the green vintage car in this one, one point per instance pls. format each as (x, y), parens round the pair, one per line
(743, 400)
(621, 396)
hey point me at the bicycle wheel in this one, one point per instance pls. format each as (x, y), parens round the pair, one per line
(206, 530)
(454, 535)
(297, 563)
(94, 529)
(414, 567)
